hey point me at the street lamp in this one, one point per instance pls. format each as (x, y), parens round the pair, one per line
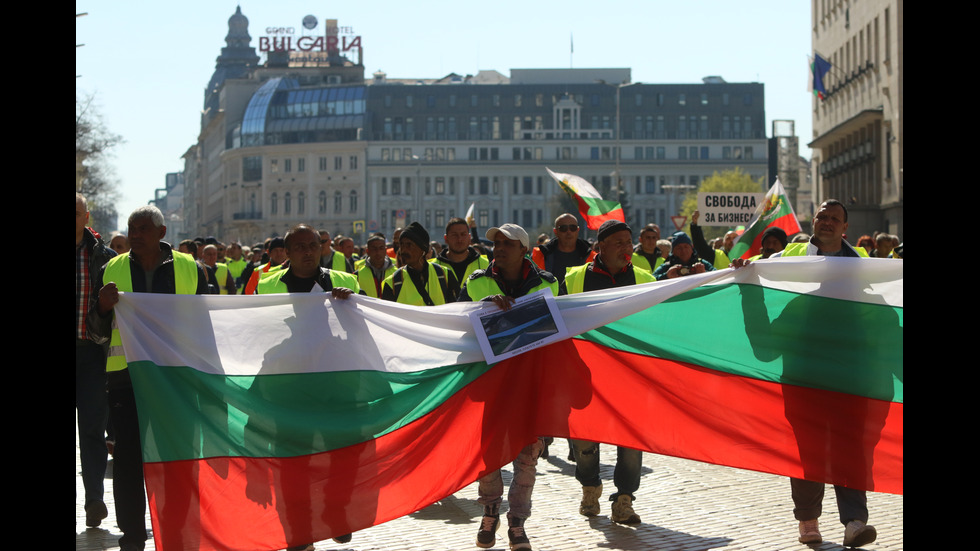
(419, 188)
(618, 87)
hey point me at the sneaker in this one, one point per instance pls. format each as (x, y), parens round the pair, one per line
(590, 500)
(305, 547)
(94, 513)
(622, 511)
(343, 539)
(517, 536)
(487, 536)
(857, 533)
(810, 532)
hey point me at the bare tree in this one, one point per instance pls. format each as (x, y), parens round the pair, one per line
(94, 176)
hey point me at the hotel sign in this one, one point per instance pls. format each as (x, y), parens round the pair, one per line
(288, 39)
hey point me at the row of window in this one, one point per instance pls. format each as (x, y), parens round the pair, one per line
(540, 100)
(598, 153)
(652, 185)
(252, 166)
(868, 47)
(435, 219)
(488, 127)
(431, 154)
(287, 203)
(520, 185)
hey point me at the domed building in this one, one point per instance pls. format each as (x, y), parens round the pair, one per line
(303, 137)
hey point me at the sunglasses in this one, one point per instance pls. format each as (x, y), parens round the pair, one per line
(567, 227)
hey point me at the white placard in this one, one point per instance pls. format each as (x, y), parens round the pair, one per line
(532, 321)
(728, 208)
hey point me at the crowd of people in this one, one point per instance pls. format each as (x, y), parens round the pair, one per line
(410, 269)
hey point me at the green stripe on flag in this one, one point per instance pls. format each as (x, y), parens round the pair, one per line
(751, 331)
(205, 415)
(598, 207)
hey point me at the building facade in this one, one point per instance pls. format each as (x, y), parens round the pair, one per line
(170, 200)
(857, 129)
(291, 141)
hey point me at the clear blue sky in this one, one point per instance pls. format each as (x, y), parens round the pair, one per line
(147, 63)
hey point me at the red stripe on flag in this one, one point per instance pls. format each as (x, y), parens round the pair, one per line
(637, 401)
(787, 223)
(594, 221)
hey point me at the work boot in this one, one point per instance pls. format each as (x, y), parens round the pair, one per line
(857, 533)
(487, 536)
(622, 511)
(95, 512)
(590, 500)
(810, 532)
(515, 533)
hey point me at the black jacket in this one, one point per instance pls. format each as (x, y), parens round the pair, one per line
(99, 254)
(582, 248)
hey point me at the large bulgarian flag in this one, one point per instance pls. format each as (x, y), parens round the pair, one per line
(591, 205)
(775, 210)
(277, 420)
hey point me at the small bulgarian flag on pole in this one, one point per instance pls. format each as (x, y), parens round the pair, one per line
(774, 211)
(591, 205)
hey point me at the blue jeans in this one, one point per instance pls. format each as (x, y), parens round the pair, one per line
(92, 409)
(626, 475)
(491, 487)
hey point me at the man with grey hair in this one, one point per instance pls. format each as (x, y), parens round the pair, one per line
(224, 282)
(150, 267)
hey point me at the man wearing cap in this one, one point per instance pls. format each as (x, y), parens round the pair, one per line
(419, 282)
(509, 276)
(773, 241)
(611, 268)
(377, 267)
(683, 260)
(277, 256)
(565, 250)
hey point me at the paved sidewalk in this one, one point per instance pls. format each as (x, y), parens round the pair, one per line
(685, 505)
